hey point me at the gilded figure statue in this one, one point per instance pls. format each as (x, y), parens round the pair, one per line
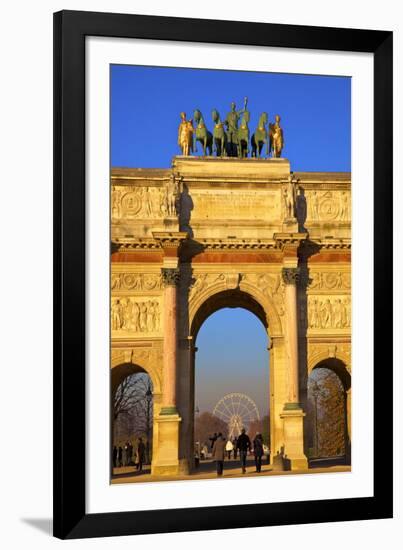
(185, 135)
(276, 138)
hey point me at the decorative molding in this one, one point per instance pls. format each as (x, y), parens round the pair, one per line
(137, 282)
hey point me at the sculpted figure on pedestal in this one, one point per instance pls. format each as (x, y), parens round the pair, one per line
(290, 198)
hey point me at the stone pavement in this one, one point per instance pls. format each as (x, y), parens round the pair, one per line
(232, 470)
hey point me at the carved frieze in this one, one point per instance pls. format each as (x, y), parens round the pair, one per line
(133, 315)
(141, 282)
(333, 280)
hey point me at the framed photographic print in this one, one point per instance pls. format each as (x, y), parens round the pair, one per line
(223, 253)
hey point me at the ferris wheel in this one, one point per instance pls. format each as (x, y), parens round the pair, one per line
(237, 410)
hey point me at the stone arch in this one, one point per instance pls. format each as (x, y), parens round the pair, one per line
(339, 365)
(246, 295)
(127, 362)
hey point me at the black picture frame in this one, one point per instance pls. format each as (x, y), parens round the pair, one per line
(70, 30)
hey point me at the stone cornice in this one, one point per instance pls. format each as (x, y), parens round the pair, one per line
(286, 239)
(237, 244)
(170, 239)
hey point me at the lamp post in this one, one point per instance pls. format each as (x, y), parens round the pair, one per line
(149, 397)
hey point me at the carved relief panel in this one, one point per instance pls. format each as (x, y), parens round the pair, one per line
(328, 206)
(329, 312)
(130, 202)
(140, 316)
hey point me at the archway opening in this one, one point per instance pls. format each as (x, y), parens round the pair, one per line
(231, 376)
(132, 419)
(327, 414)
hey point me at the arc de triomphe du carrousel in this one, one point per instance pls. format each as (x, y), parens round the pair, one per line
(213, 232)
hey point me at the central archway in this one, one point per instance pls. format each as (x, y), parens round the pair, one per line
(233, 299)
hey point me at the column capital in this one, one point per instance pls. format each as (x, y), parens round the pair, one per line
(170, 276)
(290, 275)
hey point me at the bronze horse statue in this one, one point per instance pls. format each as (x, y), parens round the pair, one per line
(260, 137)
(219, 135)
(243, 136)
(202, 134)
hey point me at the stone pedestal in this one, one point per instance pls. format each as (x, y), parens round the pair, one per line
(165, 460)
(295, 458)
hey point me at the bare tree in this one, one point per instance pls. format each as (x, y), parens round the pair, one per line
(326, 408)
(206, 424)
(133, 409)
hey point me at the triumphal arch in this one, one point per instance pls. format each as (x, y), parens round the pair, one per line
(209, 233)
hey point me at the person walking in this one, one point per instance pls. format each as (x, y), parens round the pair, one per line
(243, 445)
(258, 451)
(126, 454)
(229, 448)
(213, 440)
(219, 453)
(140, 454)
(130, 454)
(120, 456)
(235, 445)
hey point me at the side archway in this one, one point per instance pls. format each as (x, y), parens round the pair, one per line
(328, 411)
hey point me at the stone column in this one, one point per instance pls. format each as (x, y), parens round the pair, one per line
(292, 415)
(166, 462)
(290, 278)
(170, 277)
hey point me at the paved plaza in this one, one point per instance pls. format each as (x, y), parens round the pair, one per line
(206, 470)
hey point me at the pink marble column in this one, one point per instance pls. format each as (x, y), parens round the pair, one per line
(290, 278)
(170, 278)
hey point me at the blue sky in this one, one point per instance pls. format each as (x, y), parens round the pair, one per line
(146, 102)
(315, 115)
